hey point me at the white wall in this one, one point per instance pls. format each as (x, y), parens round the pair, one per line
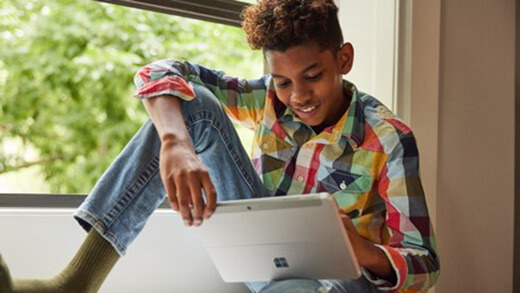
(371, 27)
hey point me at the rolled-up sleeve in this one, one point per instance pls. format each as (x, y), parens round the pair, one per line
(243, 100)
(411, 249)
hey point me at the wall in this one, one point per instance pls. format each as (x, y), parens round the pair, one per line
(371, 27)
(418, 85)
(475, 199)
(516, 269)
(456, 88)
(167, 257)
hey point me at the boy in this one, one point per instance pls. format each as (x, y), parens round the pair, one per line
(314, 132)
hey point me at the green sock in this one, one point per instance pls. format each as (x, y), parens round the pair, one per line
(85, 272)
(5, 278)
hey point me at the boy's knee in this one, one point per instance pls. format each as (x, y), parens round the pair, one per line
(205, 101)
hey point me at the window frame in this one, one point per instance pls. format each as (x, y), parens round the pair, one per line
(218, 11)
(47, 200)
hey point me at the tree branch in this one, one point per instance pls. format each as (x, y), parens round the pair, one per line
(6, 128)
(25, 164)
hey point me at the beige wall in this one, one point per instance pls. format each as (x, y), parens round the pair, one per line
(472, 151)
(418, 85)
(516, 270)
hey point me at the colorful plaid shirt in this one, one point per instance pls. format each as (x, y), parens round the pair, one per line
(368, 160)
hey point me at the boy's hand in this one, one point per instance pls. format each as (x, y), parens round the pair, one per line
(184, 176)
(368, 255)
(360, 245)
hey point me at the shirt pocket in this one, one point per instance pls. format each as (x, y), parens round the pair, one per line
(350, 190)
(275, 154)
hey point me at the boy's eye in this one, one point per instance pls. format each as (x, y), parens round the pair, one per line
(283, 84)
(314, 77)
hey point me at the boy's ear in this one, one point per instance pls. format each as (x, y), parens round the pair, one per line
(345, 58)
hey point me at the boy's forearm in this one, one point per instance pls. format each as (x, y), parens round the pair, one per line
(166, 115)
(368, 255)
(377, 262)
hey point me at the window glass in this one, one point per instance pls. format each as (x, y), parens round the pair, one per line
(66, 109)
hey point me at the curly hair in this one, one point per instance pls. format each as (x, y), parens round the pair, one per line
(281, 24)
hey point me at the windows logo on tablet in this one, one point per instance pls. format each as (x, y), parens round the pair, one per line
(281, 262)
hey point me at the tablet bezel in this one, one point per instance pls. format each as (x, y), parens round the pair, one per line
(346, 268)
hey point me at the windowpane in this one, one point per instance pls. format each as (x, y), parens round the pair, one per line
(66, 83)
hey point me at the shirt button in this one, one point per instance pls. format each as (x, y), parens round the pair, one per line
(343, 185)
(300, 178)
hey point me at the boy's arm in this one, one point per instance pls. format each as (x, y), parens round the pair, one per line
(162, 85)
(182, 173)
(411, 250)
(243, 100)
(368, 255)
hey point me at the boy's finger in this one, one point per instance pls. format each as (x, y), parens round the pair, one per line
(196, 199)
(211, 195)
(183, 197)
(171, 193)
(347, 222)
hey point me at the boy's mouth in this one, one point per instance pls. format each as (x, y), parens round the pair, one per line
(306, 112)
(308, 109)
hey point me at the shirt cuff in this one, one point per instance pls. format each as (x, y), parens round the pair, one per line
(169, 85)
(399, 266)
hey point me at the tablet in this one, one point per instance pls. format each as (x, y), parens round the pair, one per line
(274, 238)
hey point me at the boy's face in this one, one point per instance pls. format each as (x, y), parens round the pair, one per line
(309, 81)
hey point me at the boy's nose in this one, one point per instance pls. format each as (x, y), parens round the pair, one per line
(300, 96)
(300, 99)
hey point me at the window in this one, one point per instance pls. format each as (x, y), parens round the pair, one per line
(66, 82)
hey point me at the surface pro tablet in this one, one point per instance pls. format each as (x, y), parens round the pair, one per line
(299, 236)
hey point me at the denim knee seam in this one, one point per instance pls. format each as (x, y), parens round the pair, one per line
(207, 116)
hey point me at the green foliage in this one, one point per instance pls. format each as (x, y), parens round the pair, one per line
(66, 70)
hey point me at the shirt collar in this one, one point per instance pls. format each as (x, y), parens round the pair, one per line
(350, 128)
(352, 125)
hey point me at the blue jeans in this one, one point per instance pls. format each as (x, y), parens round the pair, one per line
(131, 188)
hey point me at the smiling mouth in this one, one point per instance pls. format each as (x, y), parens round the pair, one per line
(306, 112)
(308, 109)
